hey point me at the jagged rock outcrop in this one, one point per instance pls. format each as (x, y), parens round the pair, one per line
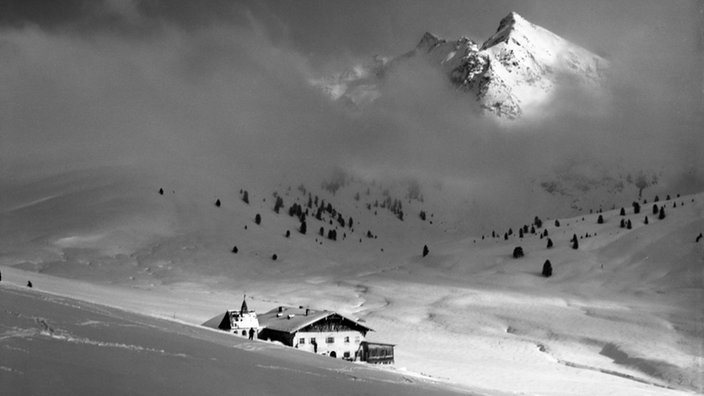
(513, 72)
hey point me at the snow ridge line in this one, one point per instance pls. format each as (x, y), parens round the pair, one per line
(614, 373)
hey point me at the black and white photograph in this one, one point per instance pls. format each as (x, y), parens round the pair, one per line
(352, 197)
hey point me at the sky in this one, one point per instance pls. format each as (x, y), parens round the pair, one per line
(223, 85)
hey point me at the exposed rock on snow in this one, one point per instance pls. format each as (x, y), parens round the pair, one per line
(511, 74)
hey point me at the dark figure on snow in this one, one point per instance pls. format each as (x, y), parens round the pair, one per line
(251, 334)
(29, 283)
(699, 237)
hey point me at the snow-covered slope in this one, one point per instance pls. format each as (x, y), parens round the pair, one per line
(619, 315)
(513, 73)
(60, 346)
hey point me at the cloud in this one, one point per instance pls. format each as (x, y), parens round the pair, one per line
(223, 88)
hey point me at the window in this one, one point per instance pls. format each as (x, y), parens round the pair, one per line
(244, 333)
(312, 340)
(302, 341)
(330, 340)
(347, 339)
(346, 355)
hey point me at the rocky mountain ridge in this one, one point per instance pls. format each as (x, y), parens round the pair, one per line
(513, 73)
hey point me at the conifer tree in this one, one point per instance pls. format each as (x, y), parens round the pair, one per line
(623, 212)
(245, 197)
(655, 209)
(303, 228)
(557, 223)
(646, 220)
(217, 203)
(547, 269)
(517, 252)
(575, 244)
(425, 250)
(600, 220)
(549, 245)
(636, 207)
(278, 204)
(661, 215)
(161, 191)
(235, 249)
(629, 225)
(258, 219)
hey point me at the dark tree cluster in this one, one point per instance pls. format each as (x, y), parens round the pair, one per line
(537, 222)
(575, 242)
(278, 204)
(518, 252)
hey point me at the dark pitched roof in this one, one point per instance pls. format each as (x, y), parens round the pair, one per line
(293, 319)
(219, 321)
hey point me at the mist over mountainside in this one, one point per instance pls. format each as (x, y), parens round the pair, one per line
(132, 131)
(514, 73)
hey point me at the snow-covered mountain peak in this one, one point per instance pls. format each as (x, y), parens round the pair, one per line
(515, 72)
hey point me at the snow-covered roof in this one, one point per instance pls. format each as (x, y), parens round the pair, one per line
(292, 319)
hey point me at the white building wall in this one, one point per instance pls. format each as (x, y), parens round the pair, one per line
(339, 346)
(243, 322)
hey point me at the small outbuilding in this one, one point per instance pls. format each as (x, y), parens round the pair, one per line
(376, 352)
